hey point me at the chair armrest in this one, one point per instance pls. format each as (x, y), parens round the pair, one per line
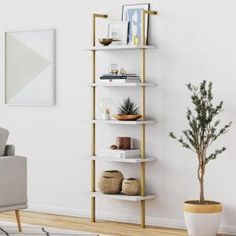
(9, 150)
(13, 180)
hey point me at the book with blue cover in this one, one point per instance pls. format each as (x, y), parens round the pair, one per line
(119, 76)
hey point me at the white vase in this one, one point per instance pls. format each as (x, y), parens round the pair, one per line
(106, 116)
(202, 220)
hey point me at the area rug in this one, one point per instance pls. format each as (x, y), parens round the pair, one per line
(10, 229)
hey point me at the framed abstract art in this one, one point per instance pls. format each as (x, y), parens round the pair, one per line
(133, 14)
(29, 67)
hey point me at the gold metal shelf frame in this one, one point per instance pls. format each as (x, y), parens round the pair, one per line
(143, 111)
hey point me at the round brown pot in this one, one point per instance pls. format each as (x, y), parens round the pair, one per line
(131, 186)
(111, 181)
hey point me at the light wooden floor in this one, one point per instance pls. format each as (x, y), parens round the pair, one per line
(101, 227)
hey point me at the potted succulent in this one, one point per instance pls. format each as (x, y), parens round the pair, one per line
(128, 111)
(202, 217)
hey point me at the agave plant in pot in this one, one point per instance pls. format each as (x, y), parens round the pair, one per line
(128, 111)
(202, 217)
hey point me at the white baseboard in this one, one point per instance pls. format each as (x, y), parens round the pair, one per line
(152, 221)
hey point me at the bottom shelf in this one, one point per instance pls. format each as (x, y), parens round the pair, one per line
(122, 196)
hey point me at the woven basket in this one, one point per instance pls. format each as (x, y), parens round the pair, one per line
(111, 181)
(131, 186)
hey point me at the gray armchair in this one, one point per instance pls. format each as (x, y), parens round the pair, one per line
(13, 180)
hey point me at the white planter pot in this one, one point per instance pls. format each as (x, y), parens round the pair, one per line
(202, 220)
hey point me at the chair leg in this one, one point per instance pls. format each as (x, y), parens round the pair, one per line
(18, 220)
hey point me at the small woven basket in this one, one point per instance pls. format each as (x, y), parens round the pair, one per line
(111, 182)
(131, 186)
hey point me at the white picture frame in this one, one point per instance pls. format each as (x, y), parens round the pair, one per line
(118, 30)
(30, 67)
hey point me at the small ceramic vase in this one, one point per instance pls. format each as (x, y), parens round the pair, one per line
(135, 40)
(106, 115)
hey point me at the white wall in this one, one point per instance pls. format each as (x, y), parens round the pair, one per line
(196, 40)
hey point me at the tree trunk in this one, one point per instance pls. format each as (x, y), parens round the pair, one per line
(201, 172)
(202, 198)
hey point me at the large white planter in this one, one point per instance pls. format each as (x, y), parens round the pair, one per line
(202, 220)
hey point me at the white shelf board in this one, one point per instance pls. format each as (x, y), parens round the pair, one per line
(122, 196)
(118, 122)
(125, 160)
(121, 47)
(111, 84)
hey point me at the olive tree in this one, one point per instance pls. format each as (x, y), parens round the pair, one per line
(203, 129)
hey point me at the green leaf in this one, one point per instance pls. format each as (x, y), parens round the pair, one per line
(128, 107)
(214, 155)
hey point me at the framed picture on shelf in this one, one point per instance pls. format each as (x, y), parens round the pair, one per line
(118, 31)
(133, 14)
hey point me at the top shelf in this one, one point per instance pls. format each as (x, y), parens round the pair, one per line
(121, 47)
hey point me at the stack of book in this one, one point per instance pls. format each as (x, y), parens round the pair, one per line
(118, 153)
(120, 78)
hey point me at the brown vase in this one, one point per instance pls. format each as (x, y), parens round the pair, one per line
(123, 142)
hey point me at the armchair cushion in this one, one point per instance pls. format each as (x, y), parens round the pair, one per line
(13, 181)
(3, 140)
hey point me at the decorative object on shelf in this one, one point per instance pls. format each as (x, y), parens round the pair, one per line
(122, 71)
(29, 75)
(135, 41)
(111, 182)
(123, 142)
(128, 107)
(120, 78)
(106, 114)
(106, 106)
(105, 41)
(202, 217)
(114, 152)
(113, 147)
(122, 117)
(118, 31)
(133, 14)
(128, 111)
(113, 69)
(131, 186)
